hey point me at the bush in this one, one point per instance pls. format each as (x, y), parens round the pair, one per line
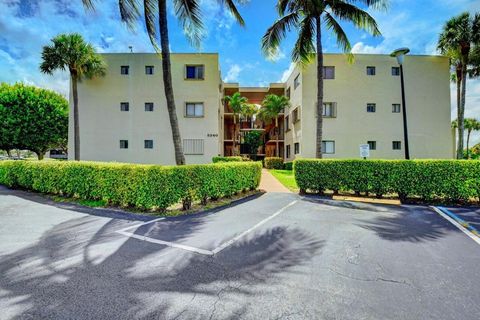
(141, 186)
(288, 165)
(454, 180)
(273, 163)
(227, 159)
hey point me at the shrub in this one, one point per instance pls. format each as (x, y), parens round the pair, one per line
(454, 180)
(227, 159)
(273, 163)
(288, 165)
(141, 186)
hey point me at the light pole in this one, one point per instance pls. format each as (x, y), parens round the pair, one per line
(400, 55)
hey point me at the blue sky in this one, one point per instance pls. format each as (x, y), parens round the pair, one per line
(27, 25)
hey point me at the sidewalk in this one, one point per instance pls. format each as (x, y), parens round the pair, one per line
(270, 184)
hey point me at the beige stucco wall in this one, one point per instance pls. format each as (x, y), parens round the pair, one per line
(428, 107)
(103, 125)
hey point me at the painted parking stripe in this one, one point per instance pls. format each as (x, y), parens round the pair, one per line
(456, 221)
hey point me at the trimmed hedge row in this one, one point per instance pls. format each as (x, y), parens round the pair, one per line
(227, 159)
(273, 163)
(141, 186)
(454, 180)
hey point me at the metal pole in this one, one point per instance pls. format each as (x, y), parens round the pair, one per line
(404, 109)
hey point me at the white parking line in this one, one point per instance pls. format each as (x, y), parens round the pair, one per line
(456, 224)
(195, 249)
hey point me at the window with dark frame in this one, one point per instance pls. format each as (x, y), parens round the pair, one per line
(296, 148)
(295, 116)
(149, 70)
(329, 109)
(287, 123)
(124, 70)
(371, 71)
(123, 144)
(287, 93)
(195, 72)
(395, 71)
(372, 145)
(296, 82)
(328, 147)
(396, 145)
(148, 144)
(329, 72)
(371, 107)
(148, 106)
(288, 151)
(396, 108)
(194, 110)
(124, 106)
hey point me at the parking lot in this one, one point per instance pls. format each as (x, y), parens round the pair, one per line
(275, 256)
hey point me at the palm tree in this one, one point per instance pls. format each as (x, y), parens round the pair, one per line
(272, 106)
(70, 51)
(307, 16)
(248, 111)
(189, 14)
(471, 124)
(459, 36)
(236, 102)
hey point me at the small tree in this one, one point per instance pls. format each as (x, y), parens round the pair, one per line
(253, 140)
(236, 102)
(32, 118)
(272, 106)
(470, 125)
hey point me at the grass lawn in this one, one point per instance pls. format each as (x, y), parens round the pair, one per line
(286, 177)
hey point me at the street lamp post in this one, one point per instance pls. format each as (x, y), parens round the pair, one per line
(400, 55)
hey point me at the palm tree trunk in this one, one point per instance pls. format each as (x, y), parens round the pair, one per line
(167, 82)
(76, 125)
(319, 150)
(277, 153)
(459, 108)
(469, 131)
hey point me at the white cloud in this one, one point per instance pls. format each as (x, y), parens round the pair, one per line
(233, 73)
(360, 47)
(286, 74)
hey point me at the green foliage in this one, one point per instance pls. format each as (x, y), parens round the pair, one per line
(141, 186)
(273, 163)
(253, 139)
(227, 159)
(32, 118)
(288, 165)
(453, 180)
(272, 106)
(236, 102)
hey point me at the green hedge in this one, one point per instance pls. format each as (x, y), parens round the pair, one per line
(141, 186)
(273, 163)
(227, 159)
(454, 180)
(288, 166)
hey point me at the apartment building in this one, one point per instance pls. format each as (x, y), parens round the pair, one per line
(123, 116)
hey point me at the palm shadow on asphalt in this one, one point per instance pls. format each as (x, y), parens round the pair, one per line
(77, 270)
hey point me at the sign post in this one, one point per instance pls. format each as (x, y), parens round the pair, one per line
(364, 151)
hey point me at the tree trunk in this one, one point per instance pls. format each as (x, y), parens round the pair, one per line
(459, 108)
(167, 82)
(76, 124)
(461, 111)
(319, 150)
(277, 152)
(469, 131)
(40, 155)
(9, 154)
(234, 134)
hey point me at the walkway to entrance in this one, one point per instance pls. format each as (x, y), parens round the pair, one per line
(270, 184)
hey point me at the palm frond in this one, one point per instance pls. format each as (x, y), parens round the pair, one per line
(334, 26)
(189, 14)
(89, 4)
(277, 32)
(304, 49)
(129, 12)
(230, 4)
(348, 12)
(150, 15)
(381, 5)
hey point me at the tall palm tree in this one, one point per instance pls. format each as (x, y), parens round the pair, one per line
(237, 103)
(460, 34)
(248, 111)
(471, 124)
(70, 52)
(190, 15)
(272, 106)
(307, 17)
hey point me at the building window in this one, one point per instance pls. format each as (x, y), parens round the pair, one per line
(370, 71)
(371, 107)
(396, 145)
(329, 109)
(148, 106)
(148, 144)
(295, 115)
(296, 82)
(123, 144)
(287, 123)
(296, 148)
(124, 106)
(193, 146)
(328, 147)
(194, 110)
(396, 108)
(287, 151)
(328, 72)
(372, 145)
(395, 71)
(287, 93)
(194, 72)
(124, 69)
(149, 69)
